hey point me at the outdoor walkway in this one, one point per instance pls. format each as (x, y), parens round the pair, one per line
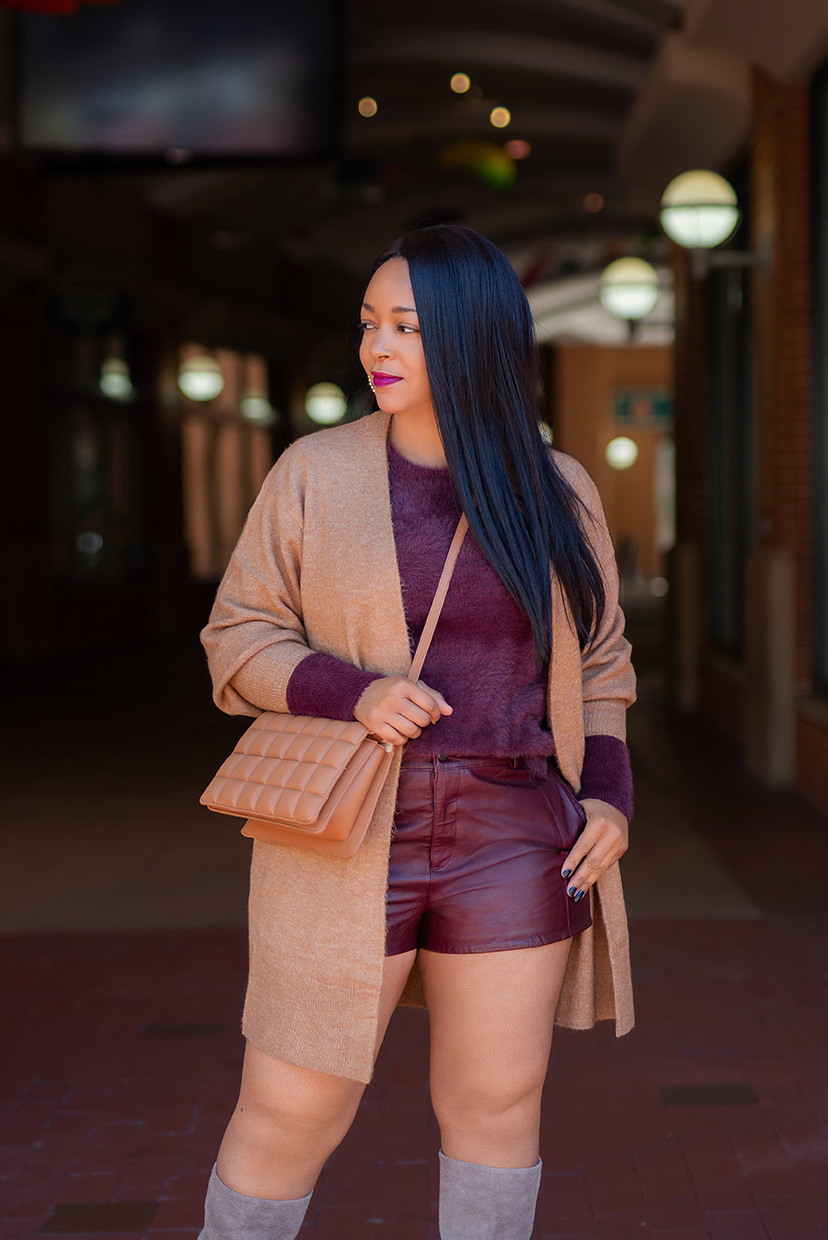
(123, 963)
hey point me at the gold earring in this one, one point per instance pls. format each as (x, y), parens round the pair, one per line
(371, 385)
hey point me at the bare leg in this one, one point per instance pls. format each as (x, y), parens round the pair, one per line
(288, 1120)
(492, 1016)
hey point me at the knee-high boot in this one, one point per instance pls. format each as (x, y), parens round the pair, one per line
(487, 1203)
(231, 1216)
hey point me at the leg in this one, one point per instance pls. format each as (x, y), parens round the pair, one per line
(288, 1120)
(492, 1017)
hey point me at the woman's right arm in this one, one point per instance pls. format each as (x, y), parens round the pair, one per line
(255, 637)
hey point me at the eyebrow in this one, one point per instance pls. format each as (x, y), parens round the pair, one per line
(394, 309)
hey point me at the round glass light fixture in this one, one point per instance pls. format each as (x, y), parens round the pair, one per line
(115, 381)
(325, 404)
(629, 288)
(699, 210)
(621, 452)
(257, 408)
(200, 377)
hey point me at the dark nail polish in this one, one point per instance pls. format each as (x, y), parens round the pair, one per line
(565, 873)
(577, 898)
(571, 891)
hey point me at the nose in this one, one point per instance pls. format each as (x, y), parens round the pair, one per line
(380, 343)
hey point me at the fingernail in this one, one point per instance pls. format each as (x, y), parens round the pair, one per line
(571, 891)
(565, 873)
(577, 898)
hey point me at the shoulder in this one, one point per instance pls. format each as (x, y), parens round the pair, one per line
(573, 472)
(328, 453)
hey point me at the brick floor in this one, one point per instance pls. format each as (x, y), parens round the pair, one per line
(121, 1053)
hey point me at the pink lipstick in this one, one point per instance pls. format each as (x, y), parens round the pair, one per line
(381, 380)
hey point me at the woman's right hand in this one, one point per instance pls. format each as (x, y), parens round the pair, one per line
(397, 709)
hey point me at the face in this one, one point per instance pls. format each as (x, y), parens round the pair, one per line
(391, 349)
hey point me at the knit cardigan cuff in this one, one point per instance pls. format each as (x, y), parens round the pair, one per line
(606, 774)
(328, 687)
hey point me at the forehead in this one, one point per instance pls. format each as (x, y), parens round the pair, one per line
(391, 284)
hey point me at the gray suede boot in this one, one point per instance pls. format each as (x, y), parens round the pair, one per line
(231, 1216)
(487, 1203)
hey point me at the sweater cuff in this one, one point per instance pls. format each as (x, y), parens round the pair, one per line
(326, 687)
(606, 773)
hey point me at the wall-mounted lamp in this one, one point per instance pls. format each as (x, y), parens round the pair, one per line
(116, 381)
(200, 377)
(325, 404)
(699, 211)
(629, 289)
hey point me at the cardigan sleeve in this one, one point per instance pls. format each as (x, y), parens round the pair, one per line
(255, 637)
(608, 679)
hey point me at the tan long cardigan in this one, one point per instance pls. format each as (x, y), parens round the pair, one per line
(316, 569)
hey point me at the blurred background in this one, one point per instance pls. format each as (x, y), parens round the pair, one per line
(191, 197)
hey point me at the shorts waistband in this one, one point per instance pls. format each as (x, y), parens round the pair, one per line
(444, 759)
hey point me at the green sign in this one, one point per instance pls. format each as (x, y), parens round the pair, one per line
(640, 409)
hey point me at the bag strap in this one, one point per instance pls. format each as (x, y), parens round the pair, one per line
(439, 598)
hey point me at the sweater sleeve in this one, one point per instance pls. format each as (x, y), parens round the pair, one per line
(606, 774)
(326, 686)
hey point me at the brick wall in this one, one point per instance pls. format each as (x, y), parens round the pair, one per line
(781, 214)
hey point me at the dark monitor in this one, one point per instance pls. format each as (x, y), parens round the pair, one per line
(180, 80)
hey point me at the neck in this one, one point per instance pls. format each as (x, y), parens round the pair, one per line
(416, 436)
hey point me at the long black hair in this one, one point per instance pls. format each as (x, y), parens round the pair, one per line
(479, 348)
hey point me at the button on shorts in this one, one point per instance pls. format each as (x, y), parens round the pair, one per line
(476, 857)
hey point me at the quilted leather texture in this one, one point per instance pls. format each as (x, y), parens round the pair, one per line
(284, 767)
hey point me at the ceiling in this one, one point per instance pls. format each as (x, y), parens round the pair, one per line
(567, 70)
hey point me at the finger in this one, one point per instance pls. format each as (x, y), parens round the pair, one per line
(438, 703)
(409, 710)
(385, 732)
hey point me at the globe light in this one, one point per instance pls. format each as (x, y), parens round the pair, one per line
(629, 288)
(621, 452)
(699, 210)
(325, 403)
(460, 83)
(115, 381)
(367, 106)
(200, 378)
(500, 117)
(257, 408)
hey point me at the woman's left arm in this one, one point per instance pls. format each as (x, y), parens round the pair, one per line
(608, 688)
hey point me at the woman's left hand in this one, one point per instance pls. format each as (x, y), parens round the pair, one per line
(603, 840)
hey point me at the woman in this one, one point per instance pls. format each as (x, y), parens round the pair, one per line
(476, 904)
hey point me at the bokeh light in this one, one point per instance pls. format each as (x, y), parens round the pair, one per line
(518, 148)
(460, 83)
(325, 404)
(621, 452)
(367, 106)
(500, 117)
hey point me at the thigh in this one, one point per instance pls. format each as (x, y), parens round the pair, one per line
(492, 1016)
(303, 1097)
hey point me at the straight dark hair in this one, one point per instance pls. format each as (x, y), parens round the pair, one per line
(478, 341)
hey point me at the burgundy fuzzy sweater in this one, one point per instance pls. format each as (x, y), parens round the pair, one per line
(481, 657)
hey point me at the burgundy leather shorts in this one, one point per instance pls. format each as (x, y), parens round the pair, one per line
(476, 857)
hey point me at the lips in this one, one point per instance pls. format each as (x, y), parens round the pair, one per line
(381, 380)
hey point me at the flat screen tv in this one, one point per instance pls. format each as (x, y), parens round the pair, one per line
(180, 80)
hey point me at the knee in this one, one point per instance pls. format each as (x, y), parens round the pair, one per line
(486, 1101)
(306, 1116)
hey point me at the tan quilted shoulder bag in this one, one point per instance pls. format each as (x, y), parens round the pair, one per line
(314, 783)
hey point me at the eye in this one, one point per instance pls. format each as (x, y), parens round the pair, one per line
(364, 327)
(404, 327)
